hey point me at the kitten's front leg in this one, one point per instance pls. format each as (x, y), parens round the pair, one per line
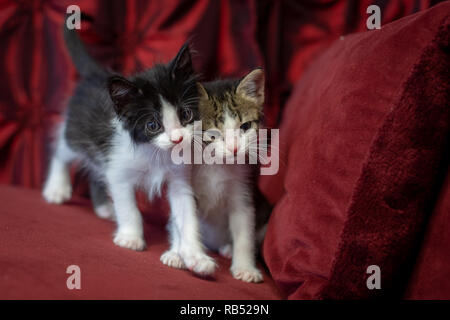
(242, 228)
(185, 229)
(172, 257)
(130, 233)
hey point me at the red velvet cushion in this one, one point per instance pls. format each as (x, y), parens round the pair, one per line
(362, 140)
(431, 275)
(39, 241)
(291, 33)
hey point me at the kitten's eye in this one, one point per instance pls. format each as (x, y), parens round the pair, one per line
(186, 115)
(211, 135)
(245, 126)
(153, 126)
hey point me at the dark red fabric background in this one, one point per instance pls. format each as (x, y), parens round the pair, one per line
(230, 38)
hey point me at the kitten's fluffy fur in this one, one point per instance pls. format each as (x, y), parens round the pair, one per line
(122, 131)
(224, 191)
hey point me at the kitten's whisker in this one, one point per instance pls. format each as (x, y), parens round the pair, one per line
(192, 99)
(185, 91)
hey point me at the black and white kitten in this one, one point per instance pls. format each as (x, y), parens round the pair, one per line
(122, 130)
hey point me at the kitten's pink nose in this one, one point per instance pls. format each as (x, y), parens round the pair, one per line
(233, 149)
(177, 141)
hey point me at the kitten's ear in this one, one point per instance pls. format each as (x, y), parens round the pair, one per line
(181, 65)
(202, 91)
(251, 87)
(121, 91)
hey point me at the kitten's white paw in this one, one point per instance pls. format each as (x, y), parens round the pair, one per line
(247, 274)
(129, 241)
(57, 191)
(105, 211)
(172, 259)
(226, 251)
(199, 263)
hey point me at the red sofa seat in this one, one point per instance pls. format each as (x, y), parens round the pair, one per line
(39, 241)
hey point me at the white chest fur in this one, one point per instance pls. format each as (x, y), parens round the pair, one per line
(213, 185)
(218, 188)
(145, 166)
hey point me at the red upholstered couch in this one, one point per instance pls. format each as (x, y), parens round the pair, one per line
(364, 139)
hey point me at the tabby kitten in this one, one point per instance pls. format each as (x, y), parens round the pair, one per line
(231, 112)
(123, 130)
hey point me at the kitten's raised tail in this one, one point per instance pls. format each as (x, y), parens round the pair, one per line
(84, 63)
